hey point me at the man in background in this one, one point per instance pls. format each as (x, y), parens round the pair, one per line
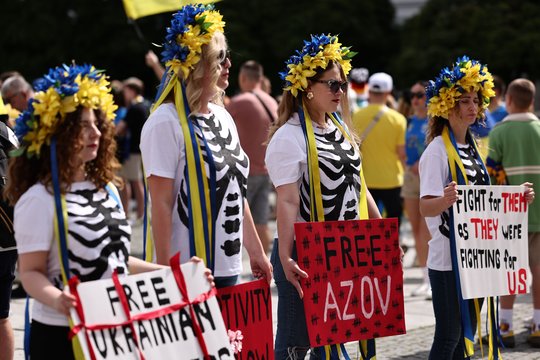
(382, 135)
(16, 91)
(254, 111)
(513, 159)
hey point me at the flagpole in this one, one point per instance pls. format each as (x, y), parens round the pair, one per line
(138, 31)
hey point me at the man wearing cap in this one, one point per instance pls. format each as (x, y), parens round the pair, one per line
(382, 138)
(358, 95)
(253, 112)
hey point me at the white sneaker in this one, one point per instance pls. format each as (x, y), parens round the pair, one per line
(422, 290)
(428, 294)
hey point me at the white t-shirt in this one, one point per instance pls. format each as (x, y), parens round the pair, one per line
(434, 176)
(163, 153)
(98, 237)
(339, 163)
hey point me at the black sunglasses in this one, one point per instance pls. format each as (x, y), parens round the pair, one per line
(417, 95)
(224, 55)
(335, 85)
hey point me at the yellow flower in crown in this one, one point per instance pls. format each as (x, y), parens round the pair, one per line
(316, 53)
(466, 75)
(191, 28)
(58, 93)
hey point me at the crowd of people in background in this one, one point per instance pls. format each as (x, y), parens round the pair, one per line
(405, 177)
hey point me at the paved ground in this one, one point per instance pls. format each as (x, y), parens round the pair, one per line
(418, 316)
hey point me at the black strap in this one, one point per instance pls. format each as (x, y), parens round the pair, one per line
(268, 112)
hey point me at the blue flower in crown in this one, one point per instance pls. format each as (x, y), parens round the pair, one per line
(191, 28)
(61, 91)
(464, 76)
(22, 124)
(316, 53)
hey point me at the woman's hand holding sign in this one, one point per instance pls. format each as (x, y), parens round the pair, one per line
(529, 192)
(293, 273)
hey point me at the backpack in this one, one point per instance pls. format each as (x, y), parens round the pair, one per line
(7, 238)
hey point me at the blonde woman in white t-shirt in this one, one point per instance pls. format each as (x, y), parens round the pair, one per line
(193, 161)
(322, 91)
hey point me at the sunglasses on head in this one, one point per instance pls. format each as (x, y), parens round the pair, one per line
(224, 55)
(335, 85)
(418, 95)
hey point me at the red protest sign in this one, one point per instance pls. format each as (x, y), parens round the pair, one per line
(248, 308)
(355, 285)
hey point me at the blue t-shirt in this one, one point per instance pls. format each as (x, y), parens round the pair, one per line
(415, 139)
(482, 130)
(499, 113)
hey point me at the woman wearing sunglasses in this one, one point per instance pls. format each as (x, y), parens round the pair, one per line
(194, 164)
(315, 86)
(415, 143)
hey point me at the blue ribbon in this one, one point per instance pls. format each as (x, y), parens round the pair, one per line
(58, 209)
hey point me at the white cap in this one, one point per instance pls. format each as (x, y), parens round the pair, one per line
(380, 83)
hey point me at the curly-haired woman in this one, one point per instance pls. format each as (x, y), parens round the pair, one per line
(66, 156)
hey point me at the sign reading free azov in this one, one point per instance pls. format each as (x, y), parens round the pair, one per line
(490, 227)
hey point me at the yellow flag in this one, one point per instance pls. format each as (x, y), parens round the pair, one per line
(3, 109)
(140, 8)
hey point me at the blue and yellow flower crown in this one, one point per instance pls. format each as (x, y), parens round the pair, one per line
(316, 53)
(191, 27)
(466, 75)
(58, 93)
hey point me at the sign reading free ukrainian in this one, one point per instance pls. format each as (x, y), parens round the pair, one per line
(154, 315)
(355, 285)
(490, 227)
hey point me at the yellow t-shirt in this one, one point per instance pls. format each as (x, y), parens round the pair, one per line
(380, 161)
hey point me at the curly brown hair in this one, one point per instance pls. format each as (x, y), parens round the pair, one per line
(24, 172)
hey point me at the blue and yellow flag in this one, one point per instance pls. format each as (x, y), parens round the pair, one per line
(140, 8)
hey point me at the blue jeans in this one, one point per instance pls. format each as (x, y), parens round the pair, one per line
(448, 339)
(292, 341)
(224, 281)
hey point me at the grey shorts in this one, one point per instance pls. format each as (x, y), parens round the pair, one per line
(258, 190)
(411, 185)
(132, 168)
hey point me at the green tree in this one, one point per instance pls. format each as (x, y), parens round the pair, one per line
(502, 34)
(39, 34)
(270, 31)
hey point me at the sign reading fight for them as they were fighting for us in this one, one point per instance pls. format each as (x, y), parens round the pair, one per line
(355, 285)
(490, 227)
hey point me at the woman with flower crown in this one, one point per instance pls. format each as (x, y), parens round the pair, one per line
(68, 220)
(455, 100)
(315, 87)
(193, 161)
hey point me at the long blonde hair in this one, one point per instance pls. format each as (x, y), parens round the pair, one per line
(290, 104)
(209, 65)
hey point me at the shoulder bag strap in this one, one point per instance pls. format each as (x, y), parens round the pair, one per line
(268, 112)
(372, 124)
